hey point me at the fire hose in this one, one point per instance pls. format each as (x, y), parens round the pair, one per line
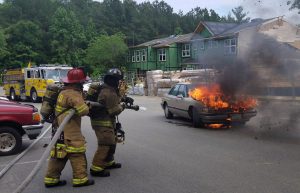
(48, 149)
(12, 163)
(46, 153)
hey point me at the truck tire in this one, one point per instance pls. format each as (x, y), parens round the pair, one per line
(195, 119)
(12, 94)
(10, 140)
(33, 96)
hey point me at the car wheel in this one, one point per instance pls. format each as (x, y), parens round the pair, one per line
(12, 94)
(33, 96)
(196, 118)
(10, 141)
(167, 112)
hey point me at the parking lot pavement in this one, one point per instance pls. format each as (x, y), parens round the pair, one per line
(161, 155)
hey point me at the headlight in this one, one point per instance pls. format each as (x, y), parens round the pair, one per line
(36, 117)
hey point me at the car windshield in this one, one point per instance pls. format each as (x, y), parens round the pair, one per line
(55, 74)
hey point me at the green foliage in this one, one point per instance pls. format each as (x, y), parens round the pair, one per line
(69, 31)
(229, 18)
(240, 15)
(106, 52)
(23, 40)
(67, 38)
(294, 4)
(3, 49)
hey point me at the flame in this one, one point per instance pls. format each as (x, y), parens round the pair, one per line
(212, 97)
(215, 126)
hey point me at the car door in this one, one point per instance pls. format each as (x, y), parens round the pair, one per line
(171, 98)
(182, 103)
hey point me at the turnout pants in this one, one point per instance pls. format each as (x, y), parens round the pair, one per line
(56, 165)
(104, 156)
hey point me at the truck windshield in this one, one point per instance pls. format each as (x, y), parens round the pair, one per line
(55, 74)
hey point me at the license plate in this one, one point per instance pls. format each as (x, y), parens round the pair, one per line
(236, 117)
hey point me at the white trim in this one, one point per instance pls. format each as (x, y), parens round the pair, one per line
(230, 46)
(137, 55)
(143, 55)
(186, 52)
(128, 57)
(213, 43)
(162, 55)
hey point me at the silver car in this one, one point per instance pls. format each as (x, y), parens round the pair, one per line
(178, 102)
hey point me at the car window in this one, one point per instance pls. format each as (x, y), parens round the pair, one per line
(182, 91)
(174, 90)
(36, 74)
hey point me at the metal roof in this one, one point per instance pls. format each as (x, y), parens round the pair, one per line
(165, 42)
(240, 27)
(217, 28)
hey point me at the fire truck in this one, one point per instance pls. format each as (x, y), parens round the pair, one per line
(31, 82)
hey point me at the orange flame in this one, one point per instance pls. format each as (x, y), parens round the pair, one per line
(215, 126)
(212, 97)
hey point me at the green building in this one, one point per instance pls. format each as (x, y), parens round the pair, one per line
(211, 44)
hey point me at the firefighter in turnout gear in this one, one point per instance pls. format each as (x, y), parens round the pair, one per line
(71, 145)
(103, 122)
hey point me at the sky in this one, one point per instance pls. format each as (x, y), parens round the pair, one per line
(255, 8)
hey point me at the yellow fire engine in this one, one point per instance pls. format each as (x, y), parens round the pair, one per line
(32, 81)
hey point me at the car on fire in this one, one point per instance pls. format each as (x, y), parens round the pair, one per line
(180, 102)
(16, 120)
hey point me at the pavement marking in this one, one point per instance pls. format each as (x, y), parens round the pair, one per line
(21, 163)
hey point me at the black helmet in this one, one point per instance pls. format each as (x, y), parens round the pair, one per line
(112, 77)
(115, 72)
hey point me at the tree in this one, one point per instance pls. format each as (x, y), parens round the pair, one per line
(90, 31)
(228, 18)
(67, 38)
(240, 15)
(3, 49)
(24, 42)
(106, 52)
(294, 4)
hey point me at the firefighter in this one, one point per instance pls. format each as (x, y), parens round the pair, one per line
(103, 122)
(71, 145)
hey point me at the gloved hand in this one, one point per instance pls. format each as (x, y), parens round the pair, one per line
(128, 100)
(88, 104)
(123, 106)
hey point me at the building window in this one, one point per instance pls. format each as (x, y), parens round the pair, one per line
(144, 55)
(162, 54)
(186, 50)
(201, 45)
(212, 44)
(128, 56)
(230, 46)
(133, 57)
(137, 55)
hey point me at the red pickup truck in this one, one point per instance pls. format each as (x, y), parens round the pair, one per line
(16, 120)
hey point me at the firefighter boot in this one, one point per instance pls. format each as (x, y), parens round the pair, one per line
(103, 173)
(59, 183)
(87, 183)
(113, 165)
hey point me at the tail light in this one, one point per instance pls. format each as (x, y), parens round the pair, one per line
(36, 117)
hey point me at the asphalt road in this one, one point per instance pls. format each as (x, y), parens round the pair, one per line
(163, 156)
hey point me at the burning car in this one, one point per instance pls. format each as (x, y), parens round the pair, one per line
(207, 105)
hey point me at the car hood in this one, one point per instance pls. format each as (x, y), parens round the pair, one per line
(6, 105)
